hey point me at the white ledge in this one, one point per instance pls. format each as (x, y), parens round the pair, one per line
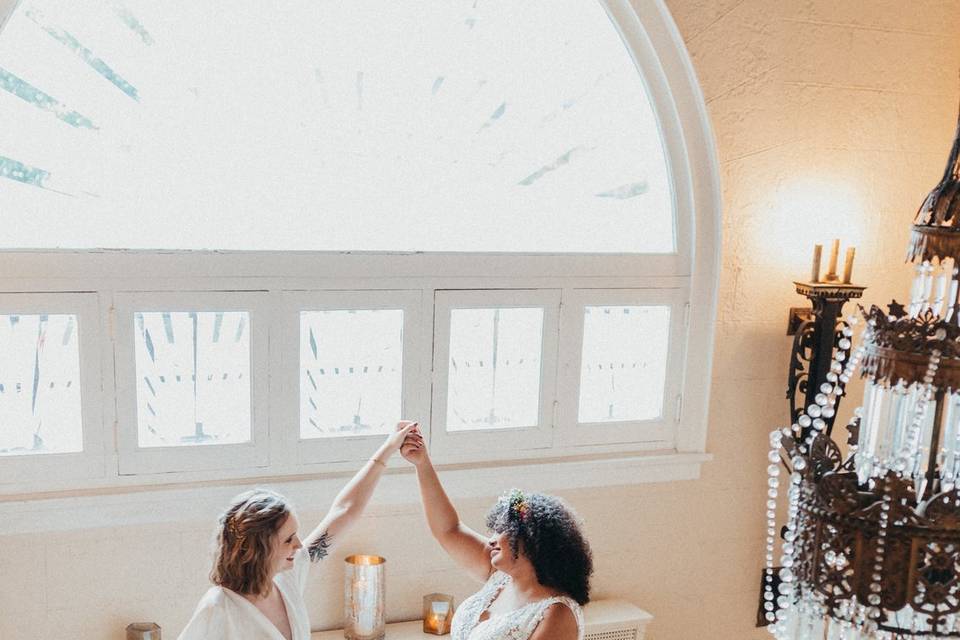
(63, 511)
(602, 619)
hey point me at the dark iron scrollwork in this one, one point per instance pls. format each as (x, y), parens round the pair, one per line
(816, 339)
(840, 525)
(798, 373)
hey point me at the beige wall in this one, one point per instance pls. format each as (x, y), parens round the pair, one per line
(831, 117)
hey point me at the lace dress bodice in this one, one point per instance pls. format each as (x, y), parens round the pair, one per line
(518, 624)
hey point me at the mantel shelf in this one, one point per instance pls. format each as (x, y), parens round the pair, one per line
(601, 616)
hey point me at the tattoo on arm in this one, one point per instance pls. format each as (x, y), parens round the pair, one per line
(318, 549)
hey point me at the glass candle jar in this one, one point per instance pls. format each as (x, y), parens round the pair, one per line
(437, 613)
(364, 597)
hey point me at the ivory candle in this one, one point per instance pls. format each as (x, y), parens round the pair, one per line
(815, 271)
(848, 265)
(832, 265)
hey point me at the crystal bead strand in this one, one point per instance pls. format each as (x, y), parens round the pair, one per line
(823, 407)
(830, 391)
(788, 559)
(874, 613)
(773, 482)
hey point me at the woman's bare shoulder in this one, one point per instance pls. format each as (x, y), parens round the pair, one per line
(558, 623)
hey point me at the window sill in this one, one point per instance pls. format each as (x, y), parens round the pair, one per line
(602, 618)
(201, 502)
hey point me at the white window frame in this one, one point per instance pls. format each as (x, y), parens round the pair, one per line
(88, 463)
(657, 433)
(485, 444)
(656, 46)
(136, 460)
(314, 451)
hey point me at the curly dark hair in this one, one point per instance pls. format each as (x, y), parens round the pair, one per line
(547, 531)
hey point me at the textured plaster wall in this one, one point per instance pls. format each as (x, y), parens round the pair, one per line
(832, 117)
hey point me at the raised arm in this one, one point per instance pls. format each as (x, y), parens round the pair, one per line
(467, 547)
(353, 498)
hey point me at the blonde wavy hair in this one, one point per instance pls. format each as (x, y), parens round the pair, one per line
(244, 541)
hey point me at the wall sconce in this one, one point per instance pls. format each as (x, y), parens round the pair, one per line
(364, 597)
(817, 331)
(437, 613)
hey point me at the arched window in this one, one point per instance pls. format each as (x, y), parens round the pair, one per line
(282, 230)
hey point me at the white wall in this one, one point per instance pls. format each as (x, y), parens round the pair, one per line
(814, 102)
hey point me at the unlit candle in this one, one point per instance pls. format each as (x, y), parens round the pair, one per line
(848, 265)
(815, 272)
(832, 265)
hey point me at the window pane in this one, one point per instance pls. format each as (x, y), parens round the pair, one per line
(351, 372)
(193, 377)
(39, 384)
(494, 368)
(525, 122)
(624, 363)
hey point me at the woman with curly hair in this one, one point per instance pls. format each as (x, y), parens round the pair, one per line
(535, 565)
(261, 565)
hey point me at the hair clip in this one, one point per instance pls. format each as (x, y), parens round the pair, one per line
(235, 529)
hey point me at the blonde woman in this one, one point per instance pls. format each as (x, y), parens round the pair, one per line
(261, 565)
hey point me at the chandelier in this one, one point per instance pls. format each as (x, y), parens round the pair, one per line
(871, 546)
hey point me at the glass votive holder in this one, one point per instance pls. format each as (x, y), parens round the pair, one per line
(143, 631)
(437, 613)
(364, 597)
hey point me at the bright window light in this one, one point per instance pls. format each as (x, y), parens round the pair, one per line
(351, 372)
(624, 363)
(193, 378)
(39, 385)
(456, 126)
(495, 368)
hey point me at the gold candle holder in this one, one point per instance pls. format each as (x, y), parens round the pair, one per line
(364, 597)
(437, 613)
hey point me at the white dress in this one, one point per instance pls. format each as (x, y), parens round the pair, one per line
(226, 615)
(518, 624)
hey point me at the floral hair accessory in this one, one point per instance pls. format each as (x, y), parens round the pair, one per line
(518, 504)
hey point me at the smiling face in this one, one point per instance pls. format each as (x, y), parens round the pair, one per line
(501, 555)
(285, 544)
